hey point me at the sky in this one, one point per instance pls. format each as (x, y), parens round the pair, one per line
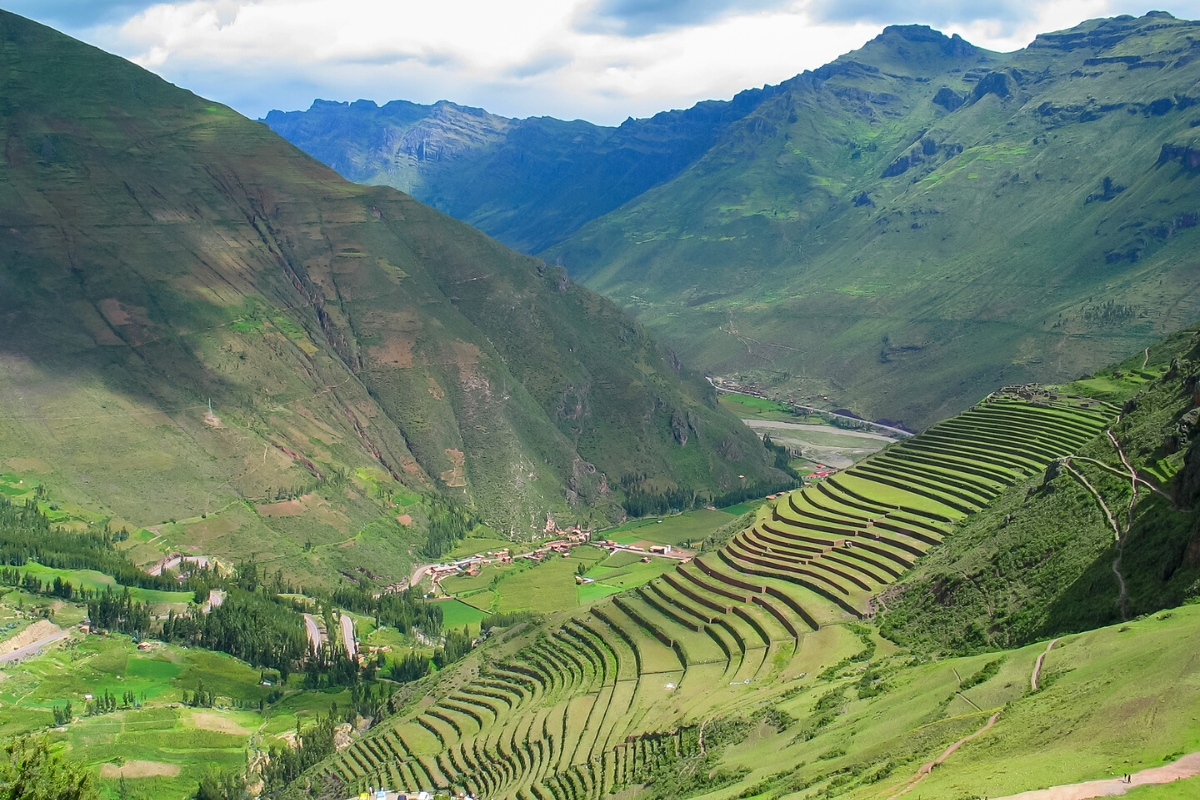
(600, 60)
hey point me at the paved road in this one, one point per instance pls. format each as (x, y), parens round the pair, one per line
(314, 632)
(814, 409)
(348, 635)
(31, 649)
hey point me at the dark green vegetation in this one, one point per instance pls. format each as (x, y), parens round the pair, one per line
(362, 352)
(30, 771)
(1044, 558)
(901, 230)
(121, 705)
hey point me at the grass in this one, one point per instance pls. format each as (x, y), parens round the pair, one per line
(457, 614)
(98, 581)
(748, 407)
(1179, 790)
(677, 529)
(546, 588)
(742, 508)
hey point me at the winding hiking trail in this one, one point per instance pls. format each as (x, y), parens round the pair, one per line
(1037, 667)
(1186, 767)
(1123, 594)
(927, 768)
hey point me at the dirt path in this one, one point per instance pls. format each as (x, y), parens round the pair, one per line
(1037, 667)
(1186, 767)
(1146, 360)
(926, 769)
(1112, 521)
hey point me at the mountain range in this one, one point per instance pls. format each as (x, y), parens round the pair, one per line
(203, 323)
(896, 233)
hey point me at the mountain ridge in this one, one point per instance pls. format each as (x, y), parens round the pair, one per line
(163, 253)
(921, 221)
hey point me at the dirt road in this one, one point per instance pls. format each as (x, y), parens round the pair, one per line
(1186, 767)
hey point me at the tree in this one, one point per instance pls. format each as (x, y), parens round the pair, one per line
(220, 787)
(29, 771)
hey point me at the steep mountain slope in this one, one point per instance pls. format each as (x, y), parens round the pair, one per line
(1084, 545)
(159, 250)
(528, 182)
(899, 231)
(922, 220)
(756, 670)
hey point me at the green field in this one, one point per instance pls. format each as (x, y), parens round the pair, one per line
(677, 529)
(98, 581)
(457, 614)
(749, 407)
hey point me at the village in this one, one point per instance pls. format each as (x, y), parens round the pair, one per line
(473, 565)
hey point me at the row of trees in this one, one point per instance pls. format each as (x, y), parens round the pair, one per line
(26, 534)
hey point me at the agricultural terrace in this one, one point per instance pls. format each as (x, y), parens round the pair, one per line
(607, 694)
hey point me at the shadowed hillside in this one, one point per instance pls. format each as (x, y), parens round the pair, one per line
(358, 348)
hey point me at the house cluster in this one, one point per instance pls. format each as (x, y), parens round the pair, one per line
(820, 472)
(561, 547)
(664, 550)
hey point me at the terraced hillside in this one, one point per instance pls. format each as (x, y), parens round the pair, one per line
(595, 703)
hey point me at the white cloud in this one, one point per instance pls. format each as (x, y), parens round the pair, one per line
(530, 57)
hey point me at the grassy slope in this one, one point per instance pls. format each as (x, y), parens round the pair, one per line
(847, 713)
(1114, 700)
(981, 264)
(160, 250)
(1038, 561)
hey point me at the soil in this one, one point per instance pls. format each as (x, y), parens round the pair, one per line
(212, 721)
(140, 769)
(38, 630)
(1186, 767)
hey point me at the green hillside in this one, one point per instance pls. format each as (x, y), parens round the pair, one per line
(897, 233)
(920, 221)
(758, 669)
(369, 361)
